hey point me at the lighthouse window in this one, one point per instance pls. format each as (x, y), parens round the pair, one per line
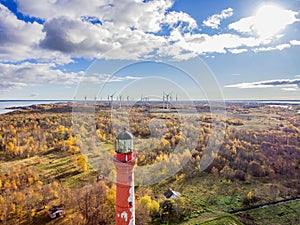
(124, 146)
(130, 204)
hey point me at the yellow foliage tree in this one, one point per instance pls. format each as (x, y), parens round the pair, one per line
(151, 205)
(111, 197)
(82, 163)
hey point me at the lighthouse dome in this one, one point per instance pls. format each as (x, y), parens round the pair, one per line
(124, 135)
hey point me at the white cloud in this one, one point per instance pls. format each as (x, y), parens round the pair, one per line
(244, 25)
(18, 39)
(111, 29)
(76, 37)
(186, 20)
(77, 29)
(238, 51)
(214, 21)
(290, 89)
(281, 83)
(10, 85)
(282, 46)
(27, 74)
(145, 16)
(49, 9)
(203, 43)
(120, 25)
(295, 42)
(130, 28)
(277, 47)
(106, 78)
(268, 21)
(15, 76)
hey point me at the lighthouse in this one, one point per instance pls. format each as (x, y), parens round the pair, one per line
(124, 162)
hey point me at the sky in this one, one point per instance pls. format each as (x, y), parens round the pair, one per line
(192, 49)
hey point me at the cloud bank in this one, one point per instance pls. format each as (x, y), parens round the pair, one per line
(284, 84)
(76, 29)
(64, 31)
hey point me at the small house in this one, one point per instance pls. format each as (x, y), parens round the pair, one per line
(55, 211)
(172, 194)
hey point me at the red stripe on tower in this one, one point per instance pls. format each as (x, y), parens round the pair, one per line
(124, 161)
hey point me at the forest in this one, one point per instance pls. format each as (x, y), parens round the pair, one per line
(50, 157)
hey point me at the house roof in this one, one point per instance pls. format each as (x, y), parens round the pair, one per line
(171, 194)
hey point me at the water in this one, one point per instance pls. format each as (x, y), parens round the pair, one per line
(16, 103)
(275, 102)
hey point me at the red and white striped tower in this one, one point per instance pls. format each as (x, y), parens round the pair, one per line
(124, 161)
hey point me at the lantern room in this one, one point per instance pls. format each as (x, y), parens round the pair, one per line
(124, 146)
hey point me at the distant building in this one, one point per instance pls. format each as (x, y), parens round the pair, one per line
(55, 211)
(100, 177)
(172, 194)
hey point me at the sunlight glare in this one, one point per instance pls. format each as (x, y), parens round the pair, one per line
(270, 19)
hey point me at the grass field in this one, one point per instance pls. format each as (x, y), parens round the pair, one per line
(285, 213)
(225, 220)
(213, 218)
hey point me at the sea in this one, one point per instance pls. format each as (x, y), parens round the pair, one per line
(4, 104)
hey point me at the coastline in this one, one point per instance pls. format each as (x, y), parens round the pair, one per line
(7, 106)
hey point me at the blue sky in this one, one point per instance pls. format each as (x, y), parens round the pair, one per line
(247, 49)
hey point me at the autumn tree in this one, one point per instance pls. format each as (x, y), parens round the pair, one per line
(82, 163)
(175, 210)
(92, 203)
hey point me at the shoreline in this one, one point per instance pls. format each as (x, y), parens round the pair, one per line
(8, 106)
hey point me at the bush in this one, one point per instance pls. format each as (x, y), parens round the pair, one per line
(175, 210)
(240, 175)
